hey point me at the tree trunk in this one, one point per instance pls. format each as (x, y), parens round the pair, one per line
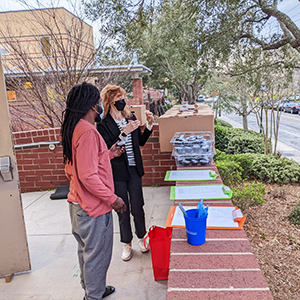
(245, 122)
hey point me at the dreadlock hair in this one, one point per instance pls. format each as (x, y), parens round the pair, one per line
(80, 100)
(109, 94)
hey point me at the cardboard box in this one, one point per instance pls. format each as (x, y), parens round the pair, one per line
(202, 119)
(139, 112)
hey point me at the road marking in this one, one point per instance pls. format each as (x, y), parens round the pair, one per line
(297, 135)
(298, 119)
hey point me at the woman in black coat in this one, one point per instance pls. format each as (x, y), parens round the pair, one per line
(118, 123)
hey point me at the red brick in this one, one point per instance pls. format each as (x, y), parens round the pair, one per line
(220, 295)
(49, 177)
(41, 139)
(27, 173)
(151, 163)
(212, 247)
(25, 162)
(214, 262)
(59, 172)
(164, 157)
(46, 167)
(221, 279)
(45, 155)
(147, 157)
(150, 151)
(149, 170)
(62, 178)
(28, 184)
(41, 161)
(180, 233)
(30, 155)
(167, 162)
(32, 178)
(42, 172)
(24, 141)
(147, 146)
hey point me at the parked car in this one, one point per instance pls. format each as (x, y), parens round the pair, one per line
(292, 107)
(200, 99)
(281, 106)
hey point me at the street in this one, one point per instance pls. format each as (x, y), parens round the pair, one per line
(289, 130)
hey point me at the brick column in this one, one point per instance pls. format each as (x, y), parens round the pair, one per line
(137, 89)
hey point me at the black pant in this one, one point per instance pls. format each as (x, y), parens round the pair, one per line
(132, 194)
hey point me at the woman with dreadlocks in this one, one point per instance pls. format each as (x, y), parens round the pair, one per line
(91, 198)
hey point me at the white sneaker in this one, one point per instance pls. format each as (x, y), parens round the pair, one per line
(127, 252)
(142, 246)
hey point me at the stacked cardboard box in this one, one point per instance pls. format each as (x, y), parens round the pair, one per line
(199, 119)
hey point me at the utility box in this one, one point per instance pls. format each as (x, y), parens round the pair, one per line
(199, 118)
(14, 254)
(139, 112)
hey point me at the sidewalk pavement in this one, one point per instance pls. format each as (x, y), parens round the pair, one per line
(53, 254)
(287, 151)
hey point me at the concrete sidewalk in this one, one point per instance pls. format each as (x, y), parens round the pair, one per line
(55, 269)
(287, 151)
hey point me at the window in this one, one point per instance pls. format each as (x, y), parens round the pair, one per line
(45, 46)
(4, 49)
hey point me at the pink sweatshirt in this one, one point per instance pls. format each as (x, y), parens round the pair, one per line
(90, 175)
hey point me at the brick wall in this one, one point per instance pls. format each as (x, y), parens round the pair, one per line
(137, 89)
(41, 168)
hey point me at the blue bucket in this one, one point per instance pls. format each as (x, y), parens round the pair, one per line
(195, 228)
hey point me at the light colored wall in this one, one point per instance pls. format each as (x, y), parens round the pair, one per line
(23, 30)
(14, 255)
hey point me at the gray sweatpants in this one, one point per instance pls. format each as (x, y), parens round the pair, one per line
(95, 241)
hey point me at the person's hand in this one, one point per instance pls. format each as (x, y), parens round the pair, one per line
(131, 126)
(149, 116)
(116, 150)
(119, 205)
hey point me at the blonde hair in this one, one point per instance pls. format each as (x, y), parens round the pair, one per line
(109, 95)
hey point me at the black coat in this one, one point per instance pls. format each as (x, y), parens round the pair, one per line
(110, 133)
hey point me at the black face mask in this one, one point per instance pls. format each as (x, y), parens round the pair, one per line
(99, 112)
(120, 104)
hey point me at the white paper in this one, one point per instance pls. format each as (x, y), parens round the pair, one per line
(217, 217)
(190, 175)
(200, 192)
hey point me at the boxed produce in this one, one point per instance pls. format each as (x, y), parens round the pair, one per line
(193, 148)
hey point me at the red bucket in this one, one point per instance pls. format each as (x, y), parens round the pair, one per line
(160, 244)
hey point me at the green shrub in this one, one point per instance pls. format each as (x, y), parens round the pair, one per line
(222, 123)
(245, 161)
(249, 194)
(244, 143)
(230, 172)
(294, 217)
(273, 170)
(221, 137)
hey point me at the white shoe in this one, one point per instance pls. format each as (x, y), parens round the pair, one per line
(142, 246)
(127, 252)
